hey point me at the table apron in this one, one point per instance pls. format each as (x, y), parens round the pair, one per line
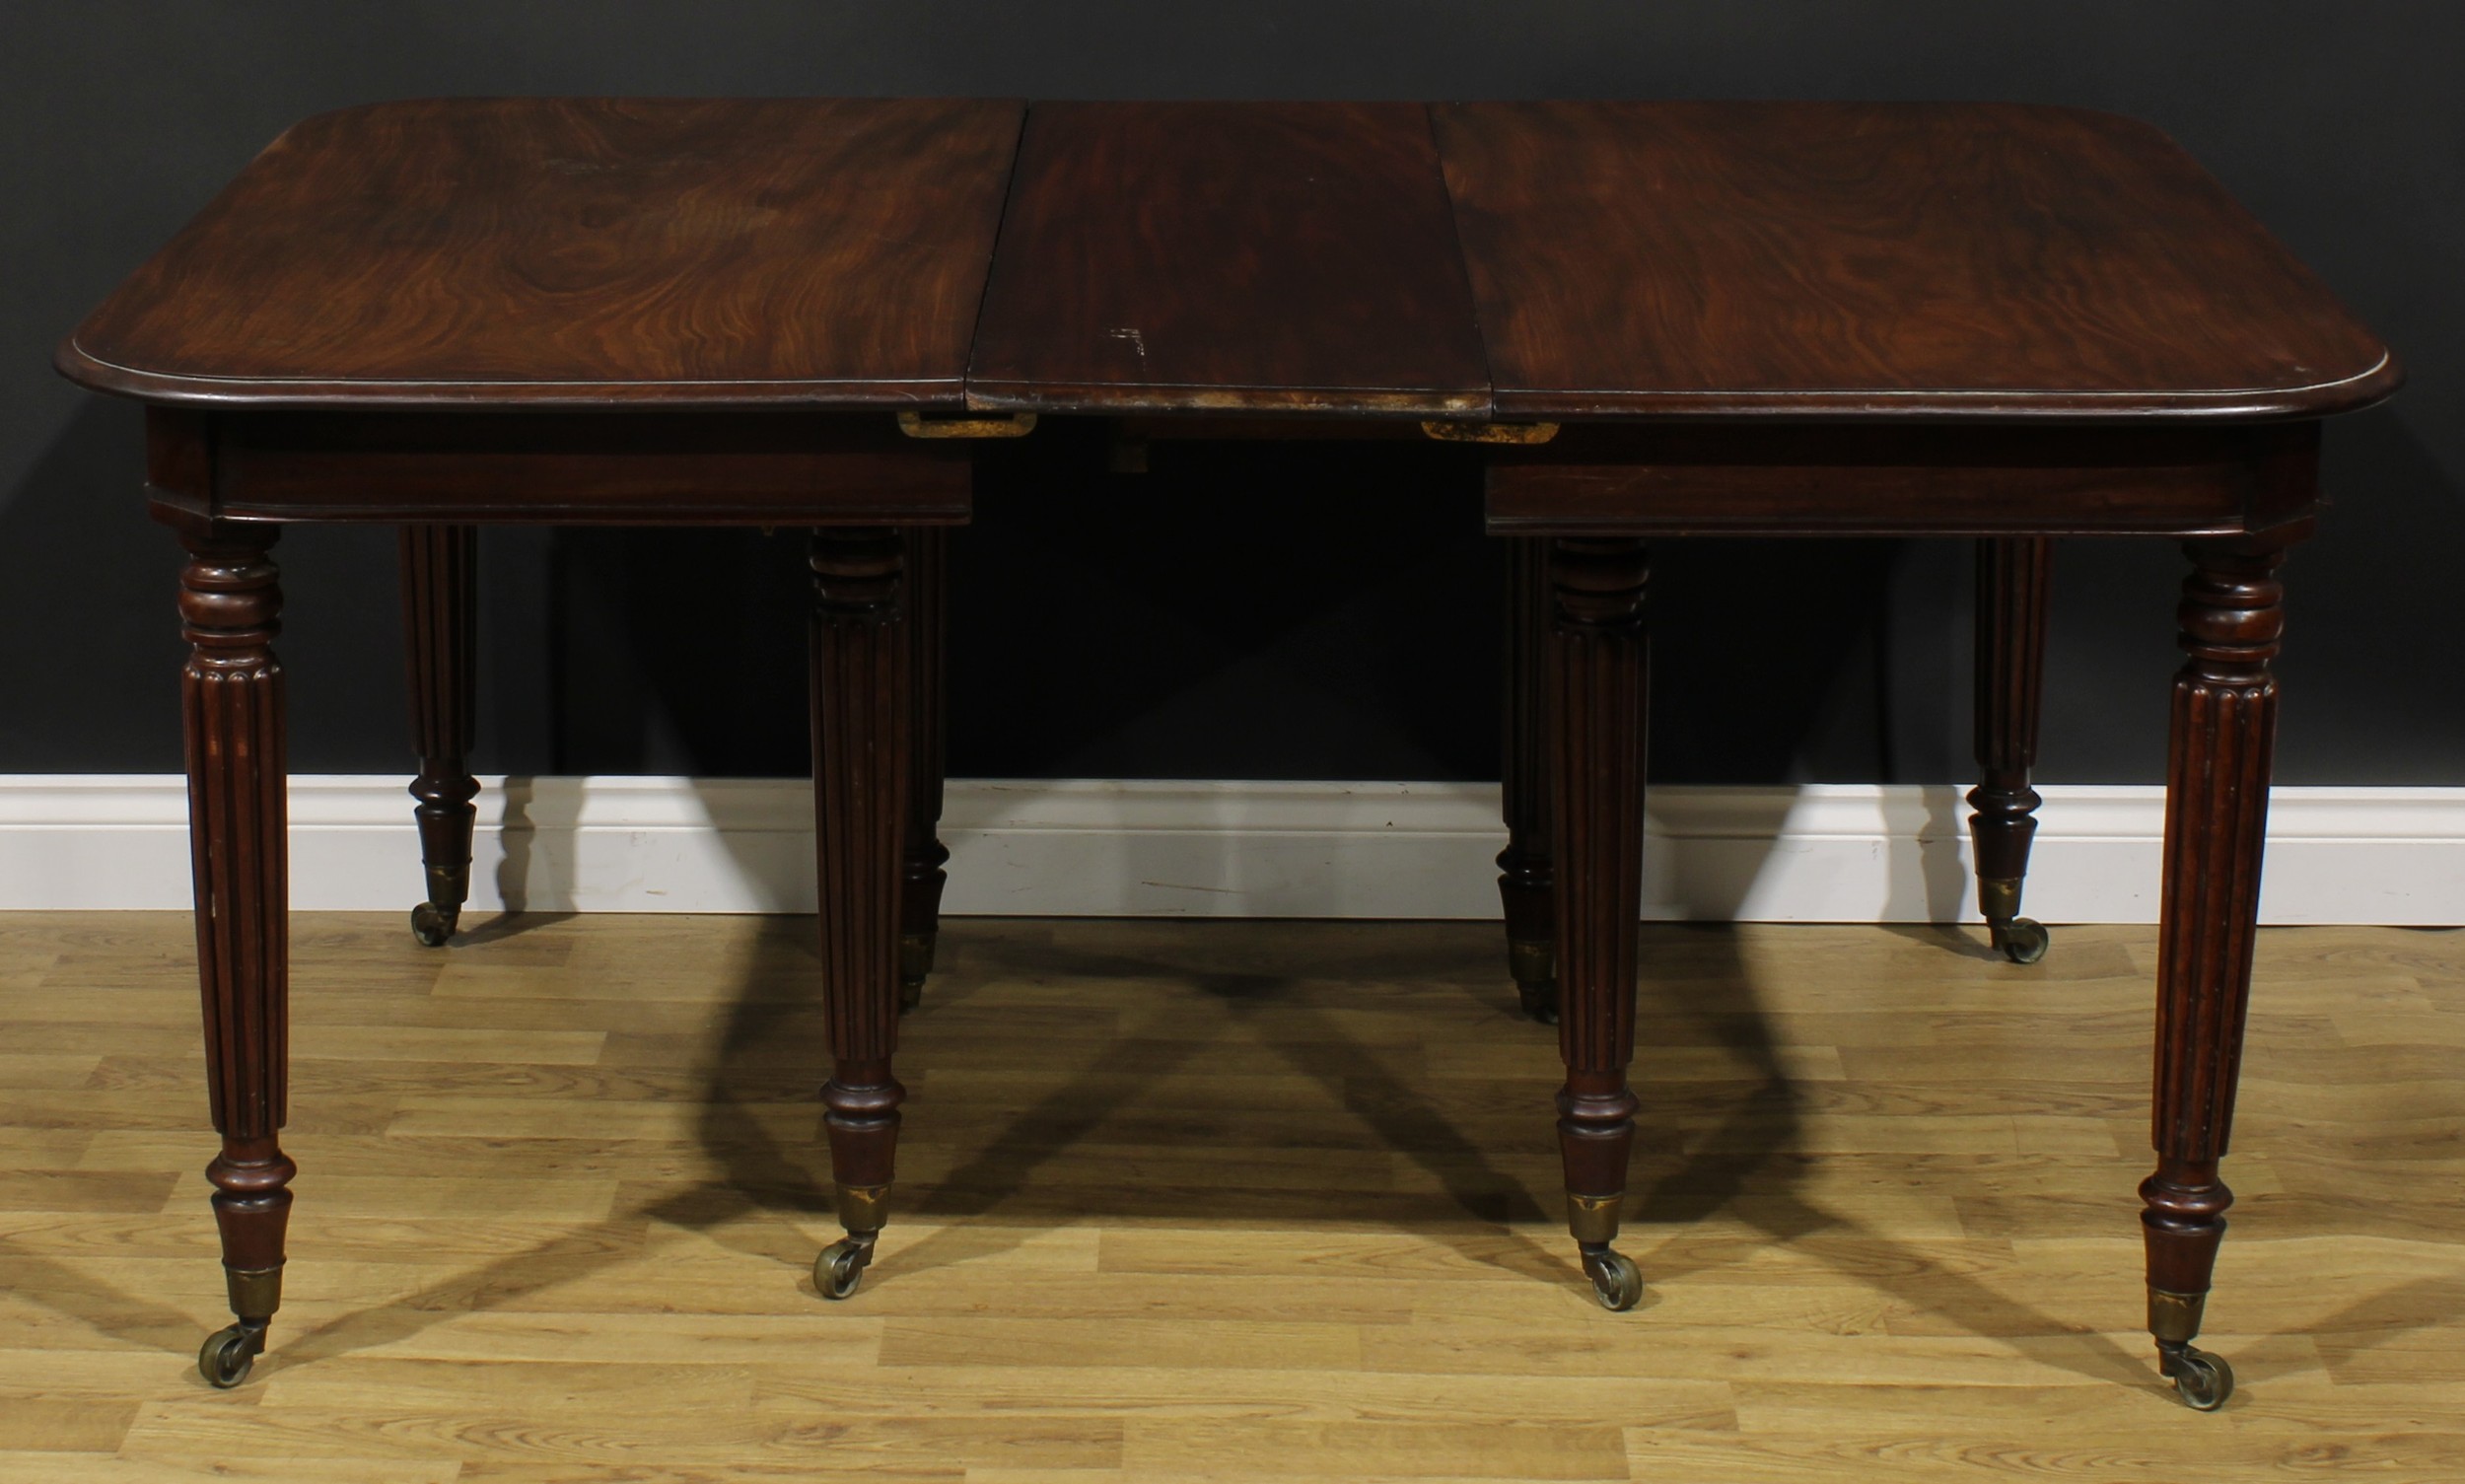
(1907, 481)
(596, 468)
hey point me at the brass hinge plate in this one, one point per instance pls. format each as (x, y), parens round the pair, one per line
(1513, 433)
(1015, 425)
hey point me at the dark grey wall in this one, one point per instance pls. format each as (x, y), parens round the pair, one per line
(1360, 654)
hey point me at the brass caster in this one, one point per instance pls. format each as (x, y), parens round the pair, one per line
(433, 925)
(841, 1266)
(2023, 940)
(2202, 1381)
(229, 1353)
(1540, 1001)
(1616, 1282)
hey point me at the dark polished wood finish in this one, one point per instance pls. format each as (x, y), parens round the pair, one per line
(232, 695)
(693, 469)
(441, 638)
(1969, 260)
(2225, 731)
(2014, 574)
(577, 252)
(862, 752)
(1771, 318)
(1524, 869)
(1887, 478)
(1598, 690)
(1199, 257)
(928, 622)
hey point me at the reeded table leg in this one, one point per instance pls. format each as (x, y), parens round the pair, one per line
(1523, 869)
(928, 621)
(440, 630)
(2012, 573)
(1597, 696)
(862, 752)
(2216, 822)
(231, 704)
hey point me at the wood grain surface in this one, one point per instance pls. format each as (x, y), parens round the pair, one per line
(577, 252)
(1905, 259)
(1225, 1200)
(1196, 256)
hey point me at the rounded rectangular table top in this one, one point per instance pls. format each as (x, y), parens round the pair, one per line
(577, 252)
(1516, 261)
(1901, 259)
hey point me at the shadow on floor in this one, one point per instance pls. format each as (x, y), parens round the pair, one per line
(1019, 1152)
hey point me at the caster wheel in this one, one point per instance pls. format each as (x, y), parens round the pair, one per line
(841, 1266)
(433, 925)
(2024, 940)
(2202, 1381)
(1616, 1282)
(911, 994)
(227, 1355)
(1540, 1002)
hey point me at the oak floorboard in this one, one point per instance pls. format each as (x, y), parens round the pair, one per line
(1223, 1201)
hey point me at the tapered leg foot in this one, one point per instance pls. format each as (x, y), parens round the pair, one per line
(2012, 576)
(1531, 953)
(440, 624)
(862, 756)
(1538, 998)
(2225, 726)
(2202, 1380)
(232, 695)
(862, 1211)
(1597, 694)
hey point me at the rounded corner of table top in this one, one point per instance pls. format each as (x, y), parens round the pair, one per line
(72, 361)
(96, 369)
(2358, 392)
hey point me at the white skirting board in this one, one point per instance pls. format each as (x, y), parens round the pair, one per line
(1103, 848)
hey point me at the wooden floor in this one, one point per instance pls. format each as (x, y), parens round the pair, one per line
(1237, 1201)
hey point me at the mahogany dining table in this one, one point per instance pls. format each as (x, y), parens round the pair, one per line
(1642, 320)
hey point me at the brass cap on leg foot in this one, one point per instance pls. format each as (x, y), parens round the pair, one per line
(448, 888)
(256, 1292)
(1999, 898)
(1594, 1219)
(863, 1208)
(1534, 962)
(2174, 1318)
